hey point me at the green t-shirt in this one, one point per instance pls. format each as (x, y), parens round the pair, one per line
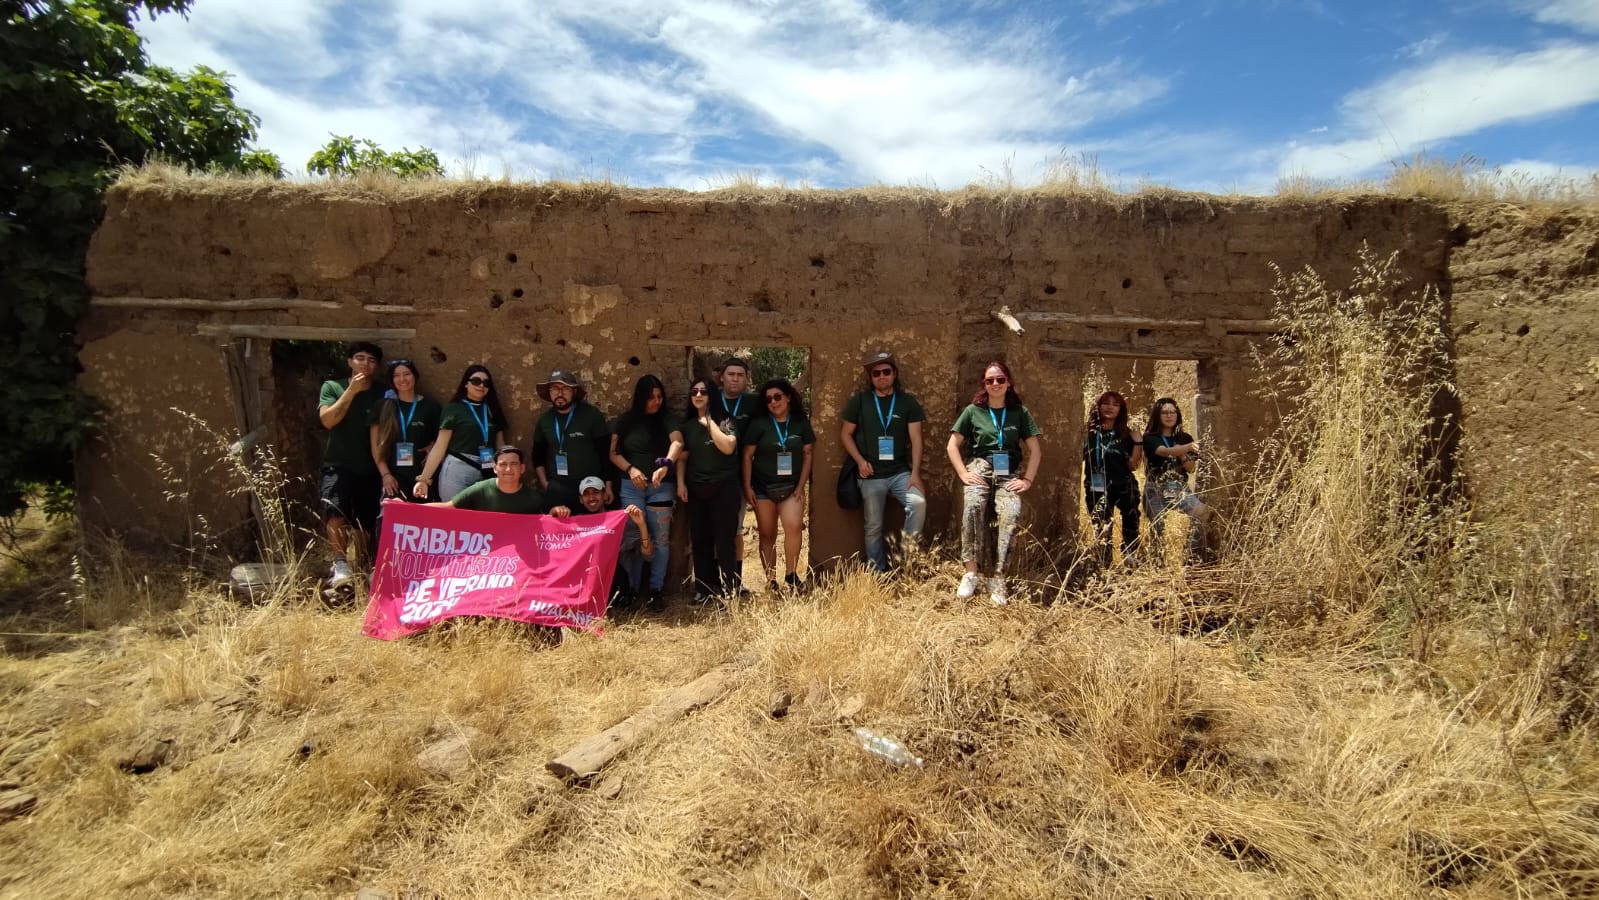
(980, 426)
(350, 441)
(742, 410)
(706, 463)
(767, 437)
(867, 411)
(486, 496)
(417, 423)
(638, 446)
(584, 438)
(465, 421)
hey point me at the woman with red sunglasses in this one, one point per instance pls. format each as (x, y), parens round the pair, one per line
(993, 439)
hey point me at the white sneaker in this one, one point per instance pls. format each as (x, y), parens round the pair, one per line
(997, 593)
(969, 583)
(340, 574)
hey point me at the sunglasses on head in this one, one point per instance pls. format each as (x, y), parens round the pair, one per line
(773, 398)
(879, 373)
(393, 364)
(479, 380)
(997, 379)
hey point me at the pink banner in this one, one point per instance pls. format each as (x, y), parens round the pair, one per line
(434, 563)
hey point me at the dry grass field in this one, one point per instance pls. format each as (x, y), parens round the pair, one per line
(1374, 691)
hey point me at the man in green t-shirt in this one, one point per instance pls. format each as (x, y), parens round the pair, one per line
(507, 492)
(882, 432)
(350, 486)
(571, 441)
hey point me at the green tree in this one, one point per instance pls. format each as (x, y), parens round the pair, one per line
(345, 155)
(80, 98)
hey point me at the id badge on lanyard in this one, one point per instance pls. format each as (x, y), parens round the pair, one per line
(1000, 460)
(560, 465)
(885, 449)
(485, 457)
(405, 454)
(785, 464)
(1096, 481)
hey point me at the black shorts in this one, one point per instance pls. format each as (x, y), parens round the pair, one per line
(352, 496)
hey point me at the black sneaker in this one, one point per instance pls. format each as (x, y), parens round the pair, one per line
(794, 584)
(657, 599)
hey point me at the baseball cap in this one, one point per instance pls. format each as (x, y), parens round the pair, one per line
(590, 483)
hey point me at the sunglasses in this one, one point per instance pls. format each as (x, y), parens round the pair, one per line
(699, 392)
(998, 380)
(480, 382)
(773, 398)
(401, 362)
(879, 373)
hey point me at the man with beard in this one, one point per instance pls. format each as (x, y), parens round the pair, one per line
(571, 441)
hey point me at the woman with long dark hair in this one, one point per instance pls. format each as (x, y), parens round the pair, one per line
(994, 438)
(1111, 453)
(708, 485)
(403, 430)
(1170, 457)
(470, 431)
(777, 466)
(644, 445)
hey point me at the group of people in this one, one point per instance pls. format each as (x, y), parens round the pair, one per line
(730, 450)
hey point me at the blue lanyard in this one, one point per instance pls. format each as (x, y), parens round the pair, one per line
(734, 411)
(878, 402)
(405, 418)
(999, 424)
(560, 436)
(1165, 440)
(482, 421)
(782, 433)
(1099, 449)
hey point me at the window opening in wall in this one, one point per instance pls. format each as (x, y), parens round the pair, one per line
(1142, 381)
(765, 363)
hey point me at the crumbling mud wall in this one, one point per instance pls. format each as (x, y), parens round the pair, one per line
(616, 283)
(1524, 312)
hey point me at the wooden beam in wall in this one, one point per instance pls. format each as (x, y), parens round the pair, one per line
(187, 303)
(304, 333)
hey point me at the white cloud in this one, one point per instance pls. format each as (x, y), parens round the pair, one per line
(1579, 14)
(1457, 95)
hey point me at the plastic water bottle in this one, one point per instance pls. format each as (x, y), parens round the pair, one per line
(886, 748)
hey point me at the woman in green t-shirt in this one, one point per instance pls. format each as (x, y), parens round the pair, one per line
(404, 427)
(777, 466)
(993, 438)
(708, 484)
(470, 430)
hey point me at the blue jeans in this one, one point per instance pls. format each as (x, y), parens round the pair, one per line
(874, 503)
(659, 521)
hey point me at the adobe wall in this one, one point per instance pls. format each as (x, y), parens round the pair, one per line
(616, 283)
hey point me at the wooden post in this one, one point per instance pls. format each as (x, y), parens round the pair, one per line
(593, 753)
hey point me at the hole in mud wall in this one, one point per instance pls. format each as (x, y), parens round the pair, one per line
(632, 360)
(510, 257)
(224, 251)
(517, 293)
(434, 251)
(560, 342)
(496, 301)
(793, 365)
(1141, 382)
(1049, 289)
(1126, 283)
(762, 300)
(1523, 331)
(818, 262)
(437, 355)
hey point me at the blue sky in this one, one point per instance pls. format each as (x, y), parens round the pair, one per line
(1209, 95)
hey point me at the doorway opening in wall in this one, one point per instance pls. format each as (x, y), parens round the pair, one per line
(1168, 529)
(764, 561)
